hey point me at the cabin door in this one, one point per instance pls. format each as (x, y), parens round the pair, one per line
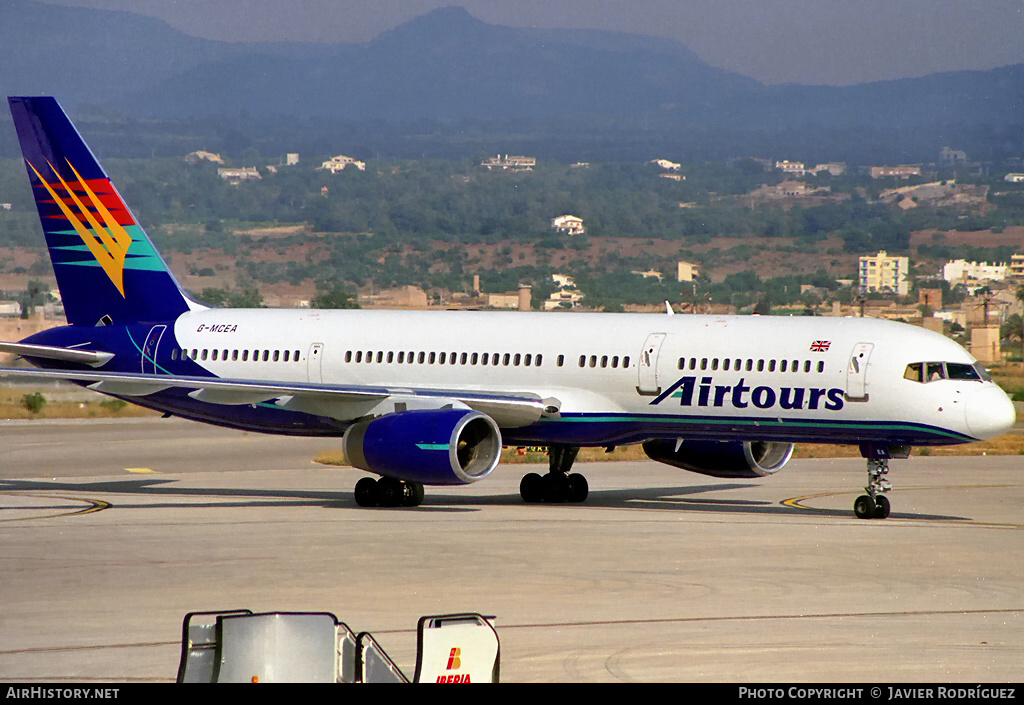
(149, 349)
(647, 367)
(314, 365)
(856, 372)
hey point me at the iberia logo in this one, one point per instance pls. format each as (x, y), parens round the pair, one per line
(108, 241)
(454, 663)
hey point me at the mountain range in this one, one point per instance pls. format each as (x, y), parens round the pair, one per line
(446, 66)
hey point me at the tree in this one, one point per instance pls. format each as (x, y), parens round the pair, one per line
(334, 297)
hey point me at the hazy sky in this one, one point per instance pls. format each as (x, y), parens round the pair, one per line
(775, 41)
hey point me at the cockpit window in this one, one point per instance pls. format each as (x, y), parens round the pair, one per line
(958, 370)
(933, 371)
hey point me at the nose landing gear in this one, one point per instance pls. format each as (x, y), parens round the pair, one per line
(874, 504)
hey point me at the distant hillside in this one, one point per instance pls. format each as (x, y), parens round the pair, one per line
(584, 87)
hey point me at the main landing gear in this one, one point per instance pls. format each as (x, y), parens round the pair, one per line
(874, 504)
(558, 485)
(388, 492)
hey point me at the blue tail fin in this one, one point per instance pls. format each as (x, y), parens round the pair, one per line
(106, 266)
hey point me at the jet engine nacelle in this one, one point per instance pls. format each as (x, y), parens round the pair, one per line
(722, 458)
(434, 447)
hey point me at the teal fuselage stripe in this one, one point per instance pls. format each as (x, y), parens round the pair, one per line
(766, 423)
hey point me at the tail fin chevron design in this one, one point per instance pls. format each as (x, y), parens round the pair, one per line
(106, 266)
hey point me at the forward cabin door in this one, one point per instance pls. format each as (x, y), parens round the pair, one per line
(857, 371)
(647, 366)
(314, 366)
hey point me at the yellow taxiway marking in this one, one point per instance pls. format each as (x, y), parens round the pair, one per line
(95, 505)
(140, 471)
(797, 502)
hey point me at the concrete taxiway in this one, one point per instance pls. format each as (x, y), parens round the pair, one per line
(110, 532)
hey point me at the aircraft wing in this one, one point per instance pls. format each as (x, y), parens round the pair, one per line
(343, 402)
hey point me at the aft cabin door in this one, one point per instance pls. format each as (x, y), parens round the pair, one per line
(647, 367)
(314, 368)
(856, 372)
(149, 365)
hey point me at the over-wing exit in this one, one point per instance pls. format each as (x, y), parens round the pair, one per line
(430, 398)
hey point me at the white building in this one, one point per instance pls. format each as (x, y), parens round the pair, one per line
(959, 270)
(566, 296)
(666, 164)
(509, 162)
(237, 175)
(569, 224)
(883, 273)
(791, 168)
(341, 162)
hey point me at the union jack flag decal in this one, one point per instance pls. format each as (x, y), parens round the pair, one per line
(820, 345)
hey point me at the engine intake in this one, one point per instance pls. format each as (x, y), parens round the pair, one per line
(435, 447)
(722, 458)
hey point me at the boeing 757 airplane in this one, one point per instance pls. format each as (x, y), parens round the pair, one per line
(430, 398)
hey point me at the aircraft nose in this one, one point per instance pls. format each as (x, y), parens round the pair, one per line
(989, 413)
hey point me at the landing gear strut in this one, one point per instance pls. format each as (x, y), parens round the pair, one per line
(558, 485)
(388, 492)
(874, 504)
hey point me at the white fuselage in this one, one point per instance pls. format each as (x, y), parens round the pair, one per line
(762, 369)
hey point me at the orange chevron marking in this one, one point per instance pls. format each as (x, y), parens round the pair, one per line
(107, 241)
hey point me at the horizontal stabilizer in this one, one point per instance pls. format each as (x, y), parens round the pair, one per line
(92, 358)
